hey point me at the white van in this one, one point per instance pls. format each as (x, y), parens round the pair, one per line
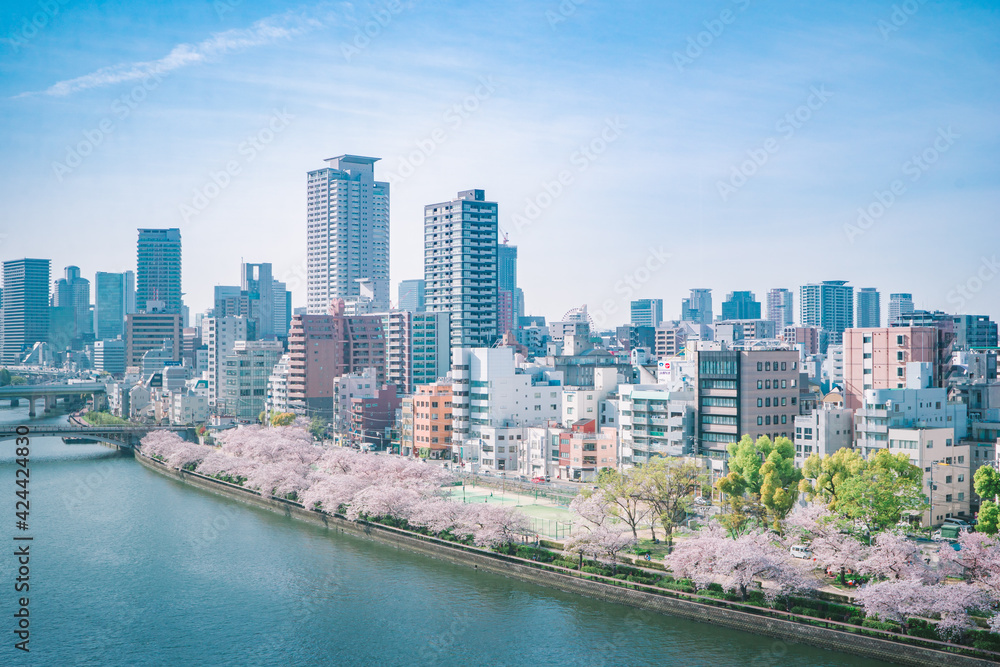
(800, 551)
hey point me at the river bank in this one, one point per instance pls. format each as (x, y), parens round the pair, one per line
(729, 615)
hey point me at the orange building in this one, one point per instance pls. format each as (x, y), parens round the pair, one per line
(432, 420)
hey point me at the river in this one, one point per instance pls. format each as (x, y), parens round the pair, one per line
(131, 568)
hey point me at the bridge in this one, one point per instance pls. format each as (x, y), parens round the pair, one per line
(122, 436)
(49, 392)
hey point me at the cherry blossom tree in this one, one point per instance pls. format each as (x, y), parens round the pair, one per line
(977, 559)
(831, 548)
(895, 557)
(603, 542)
(173, 449)
(711, 556)
(383, 500)
(592, 508)
(895, 600)
(954, 602)
(435, 514)
(491, 525)
(329, 492)
(278, 479)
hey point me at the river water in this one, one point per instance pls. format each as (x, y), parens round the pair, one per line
(131, 568)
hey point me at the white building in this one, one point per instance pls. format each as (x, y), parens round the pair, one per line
(347, 222)
(833, 366)
(277, 387)
(823, 431)
(585, 402)
(187, 407)
(220, 335)
(885, 409)
(944, 459)
(347, 387)
(654, 421)
(490, 392)
(109, 356)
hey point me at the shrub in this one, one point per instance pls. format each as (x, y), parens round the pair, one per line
(855, 620)
(920, 628)
(984, 640)
(565, 563)
(592, 570)
(718, 595)
(801, 611)
(879, 625)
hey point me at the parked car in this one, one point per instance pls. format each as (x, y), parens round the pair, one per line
(952, 521)
(800, 551)
(537, 480)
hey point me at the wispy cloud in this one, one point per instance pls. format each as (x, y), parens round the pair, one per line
(266, 31)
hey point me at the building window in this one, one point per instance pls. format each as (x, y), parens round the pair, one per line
(760, 421)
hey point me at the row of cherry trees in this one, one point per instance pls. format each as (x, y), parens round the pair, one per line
(902, 585)
(283, 462)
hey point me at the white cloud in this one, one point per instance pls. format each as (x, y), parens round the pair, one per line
(266, 31)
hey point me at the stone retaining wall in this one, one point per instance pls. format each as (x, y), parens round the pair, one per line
(870, 647)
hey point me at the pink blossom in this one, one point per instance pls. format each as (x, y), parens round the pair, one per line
(895, 557)
(491, 525)
(383, 500)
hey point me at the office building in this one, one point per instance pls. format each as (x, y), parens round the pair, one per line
(740, 306)
(72, 291)
(109, 356)
(220, 334)
(412, 295)
(510, 298)
(322, 347)
(158, 269)
(347, 224)
(114, 298)
(432, 420)
(245, 372)
(974, 331)
(698, 307)
(149, 331)
(430, 348)
(647, 312)
(899, 304)
(781, 307)
(823, 431)
(25, 306)
(883, 359)
(869, 309)
(828, 305)
(460, 266)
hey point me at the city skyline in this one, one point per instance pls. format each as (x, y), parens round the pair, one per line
(693, 130)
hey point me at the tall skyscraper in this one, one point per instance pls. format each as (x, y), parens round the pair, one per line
(257, 282)
(460, 266)
(412, 295)
(73, 292)
(507, 282)
(741, 306)
(158, 270)
(25, 306)
(698, 307)
(113, 293)
(899, 304)
(646, 312)
(347, 224)
(780, 307)
(828, 305)
(869, 308)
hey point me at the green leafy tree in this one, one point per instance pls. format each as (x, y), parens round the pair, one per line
(4, 377)
(878, 496)
(317, 427)
(823, 476)
(282, 419)
(742, 514)
(624, 495)
(766, 470)
(669, 486)
(986, 482)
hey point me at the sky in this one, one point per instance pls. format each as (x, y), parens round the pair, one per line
(636, 149)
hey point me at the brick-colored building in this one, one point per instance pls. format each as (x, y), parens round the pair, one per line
(432, 420)
(372, 418)
(584, 450)
(877, 358)
(322, 347)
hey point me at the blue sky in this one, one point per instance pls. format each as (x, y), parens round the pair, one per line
(740, 138)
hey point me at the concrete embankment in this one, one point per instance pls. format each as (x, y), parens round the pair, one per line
(824, 637)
